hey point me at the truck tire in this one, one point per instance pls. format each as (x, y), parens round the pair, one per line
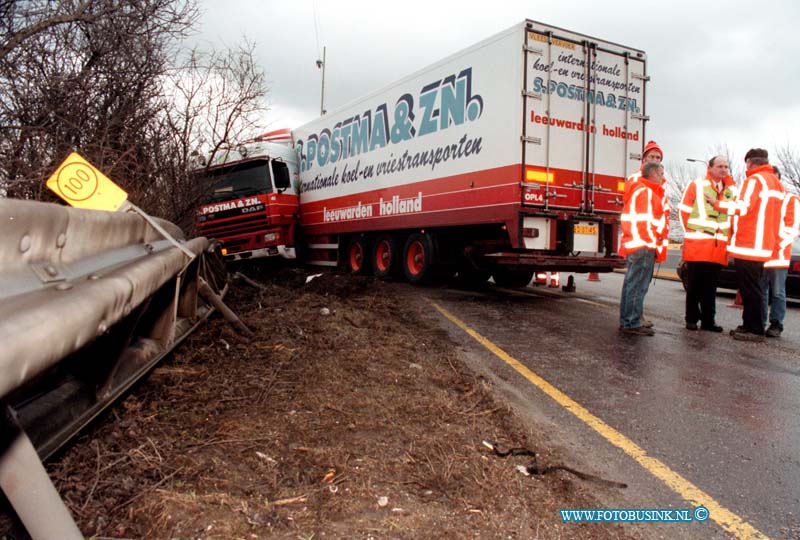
(471, 277)
(358, 256)
(418, 259)
(387, 254)
(512, 278)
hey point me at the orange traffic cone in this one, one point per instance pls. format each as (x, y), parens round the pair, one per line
(593, 276)
(541, 278)
(555, 279)
(737, 302)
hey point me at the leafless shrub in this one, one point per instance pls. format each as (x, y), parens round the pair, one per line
(109, 80)
(788, 159)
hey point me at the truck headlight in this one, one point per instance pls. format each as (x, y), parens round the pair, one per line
(270, 237)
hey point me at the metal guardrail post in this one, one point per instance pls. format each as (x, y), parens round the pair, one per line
(215, 300)
(25, 482)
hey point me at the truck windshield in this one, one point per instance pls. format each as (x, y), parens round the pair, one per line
(241, 180)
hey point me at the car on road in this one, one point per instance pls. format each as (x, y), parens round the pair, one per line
(727, 277)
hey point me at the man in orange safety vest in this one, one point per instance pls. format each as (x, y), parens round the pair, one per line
(777, 268)
(644, 241)
(756, 224)
(651, 153)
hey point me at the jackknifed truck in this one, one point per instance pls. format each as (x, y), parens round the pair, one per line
(506, 158)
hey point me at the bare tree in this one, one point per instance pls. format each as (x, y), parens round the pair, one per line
(678, 177)
(221, 96)
(22, 23)
(218, 100)
(83, 76)
(789, 163)
(109, 80)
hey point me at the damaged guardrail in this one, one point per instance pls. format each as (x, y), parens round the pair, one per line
(90, 301)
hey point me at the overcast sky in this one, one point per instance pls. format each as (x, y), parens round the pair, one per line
(722, 73)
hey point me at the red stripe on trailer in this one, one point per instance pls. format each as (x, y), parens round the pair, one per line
(277, 135)
(364, 207)
(473, 191)
(568, 183)
(444, 218)
(508, 175)
(480, 197)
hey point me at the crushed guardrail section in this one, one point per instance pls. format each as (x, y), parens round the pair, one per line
(90, 302)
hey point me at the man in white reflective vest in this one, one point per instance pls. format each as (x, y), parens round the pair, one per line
(706, 226)
(756, 220)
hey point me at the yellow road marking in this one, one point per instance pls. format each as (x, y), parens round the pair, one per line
(691, 493)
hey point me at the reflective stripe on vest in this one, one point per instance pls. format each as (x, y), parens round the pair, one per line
(700, 219)
(635, 218)
(788, 232)
(753, 238)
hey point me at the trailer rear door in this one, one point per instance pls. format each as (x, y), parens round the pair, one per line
(584, 124)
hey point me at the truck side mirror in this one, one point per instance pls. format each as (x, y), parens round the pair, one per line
(280, 174)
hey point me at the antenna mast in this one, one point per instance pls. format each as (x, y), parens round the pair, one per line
(320, 64)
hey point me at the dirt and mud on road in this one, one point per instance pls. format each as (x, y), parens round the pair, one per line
(349, 416)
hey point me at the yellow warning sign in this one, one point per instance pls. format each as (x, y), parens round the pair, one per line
(80, 184)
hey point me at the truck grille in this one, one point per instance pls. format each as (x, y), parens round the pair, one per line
(239, 225)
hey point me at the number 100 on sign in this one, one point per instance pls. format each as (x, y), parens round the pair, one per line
(83, 186)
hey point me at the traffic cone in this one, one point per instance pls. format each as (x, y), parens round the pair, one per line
(555, 279)
(593, 276)
(541, 278)
(737, 302)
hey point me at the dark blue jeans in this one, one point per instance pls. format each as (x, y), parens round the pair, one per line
(637, 280)
(775, 295)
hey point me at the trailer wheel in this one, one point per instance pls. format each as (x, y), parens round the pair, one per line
(386, 256)
(418, 258)
(512, 278)
(471, 277)
(358, 256)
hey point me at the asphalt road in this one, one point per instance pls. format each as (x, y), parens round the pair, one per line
(722, 414)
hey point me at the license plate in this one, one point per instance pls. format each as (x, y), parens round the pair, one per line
(586, 229)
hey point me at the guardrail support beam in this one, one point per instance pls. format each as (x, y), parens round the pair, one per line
(25, 482)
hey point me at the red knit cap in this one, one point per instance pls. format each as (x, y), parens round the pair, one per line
(652, 145)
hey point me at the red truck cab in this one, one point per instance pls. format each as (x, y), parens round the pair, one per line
(251, 202)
